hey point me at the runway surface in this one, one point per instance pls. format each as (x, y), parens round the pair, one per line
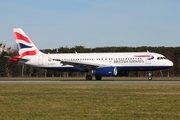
(99, 82)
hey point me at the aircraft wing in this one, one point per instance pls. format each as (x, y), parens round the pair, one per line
(80, 64)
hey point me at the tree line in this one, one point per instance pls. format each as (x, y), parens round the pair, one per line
(11, 69)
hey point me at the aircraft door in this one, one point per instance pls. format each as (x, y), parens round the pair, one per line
(40, 60)
(148, 61)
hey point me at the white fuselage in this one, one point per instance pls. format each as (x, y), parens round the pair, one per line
(122, 61)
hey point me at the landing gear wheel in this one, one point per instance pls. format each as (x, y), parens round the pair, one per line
(149, 75)
(89, 77)
(98, 77)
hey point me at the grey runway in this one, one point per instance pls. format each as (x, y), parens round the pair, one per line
(99, 82)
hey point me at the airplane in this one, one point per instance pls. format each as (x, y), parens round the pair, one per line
(94, 64)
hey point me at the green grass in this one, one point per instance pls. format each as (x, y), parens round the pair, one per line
(83, 101)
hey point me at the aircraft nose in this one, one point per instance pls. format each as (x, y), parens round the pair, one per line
(170, 63)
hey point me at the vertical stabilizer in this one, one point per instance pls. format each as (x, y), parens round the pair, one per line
(25, 45)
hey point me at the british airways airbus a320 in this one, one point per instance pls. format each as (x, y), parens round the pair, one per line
(97, 64)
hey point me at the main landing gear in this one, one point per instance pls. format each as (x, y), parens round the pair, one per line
(90, 73)
(98, 77)
(149, 74)
(89, 77)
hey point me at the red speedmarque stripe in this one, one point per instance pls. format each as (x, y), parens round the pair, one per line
(143, 56)
(31, 53)
(21, 37)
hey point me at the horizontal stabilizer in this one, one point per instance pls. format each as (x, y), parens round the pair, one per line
(17, 59)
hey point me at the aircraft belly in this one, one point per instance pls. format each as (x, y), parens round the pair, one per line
(142, 68)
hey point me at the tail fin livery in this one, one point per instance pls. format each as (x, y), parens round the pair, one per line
(25, 45)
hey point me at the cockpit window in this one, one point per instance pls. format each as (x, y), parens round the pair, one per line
(161, 58)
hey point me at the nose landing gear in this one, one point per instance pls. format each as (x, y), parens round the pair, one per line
(149, 74)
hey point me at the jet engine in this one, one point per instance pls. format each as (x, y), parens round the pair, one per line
(106, 71)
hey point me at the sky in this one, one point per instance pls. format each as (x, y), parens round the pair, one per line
(92, 23)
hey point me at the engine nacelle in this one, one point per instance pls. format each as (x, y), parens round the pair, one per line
(106, 71)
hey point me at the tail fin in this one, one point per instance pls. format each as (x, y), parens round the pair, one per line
(25, 45)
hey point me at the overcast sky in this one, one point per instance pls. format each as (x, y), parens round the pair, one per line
(92, 23)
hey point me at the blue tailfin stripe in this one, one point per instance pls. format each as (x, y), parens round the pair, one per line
(24, 46)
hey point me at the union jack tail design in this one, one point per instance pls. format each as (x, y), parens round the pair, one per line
(25, 45)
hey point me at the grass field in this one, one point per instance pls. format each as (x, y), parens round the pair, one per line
(83, 101)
